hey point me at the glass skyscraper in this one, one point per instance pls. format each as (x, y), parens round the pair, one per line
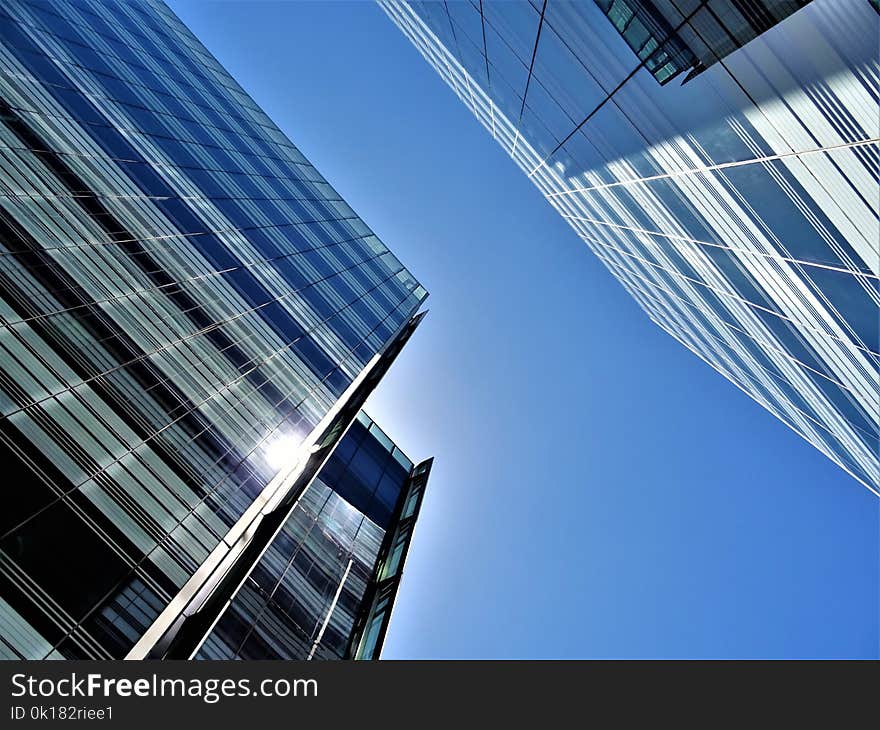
(324, 587)
(191, 318)
(720, 157)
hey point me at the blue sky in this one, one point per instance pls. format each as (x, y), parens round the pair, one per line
(598, 491)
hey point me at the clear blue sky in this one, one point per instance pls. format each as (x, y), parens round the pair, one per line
(598, 491)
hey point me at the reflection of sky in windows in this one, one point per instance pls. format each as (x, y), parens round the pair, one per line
(738, 208)
(304, 595)
(185, 299)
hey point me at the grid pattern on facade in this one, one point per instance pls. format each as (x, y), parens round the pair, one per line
(182, 298)
(739, 209)
(674, 36)
(304, 596)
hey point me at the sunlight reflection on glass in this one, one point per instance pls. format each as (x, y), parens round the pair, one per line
(283, 452)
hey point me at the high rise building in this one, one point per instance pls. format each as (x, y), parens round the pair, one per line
(720, 157)
(325, 586)
(191, 318)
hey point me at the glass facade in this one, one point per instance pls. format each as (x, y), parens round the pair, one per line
(670, 37)
(184, 304)
(310, 595)
(736, 202)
